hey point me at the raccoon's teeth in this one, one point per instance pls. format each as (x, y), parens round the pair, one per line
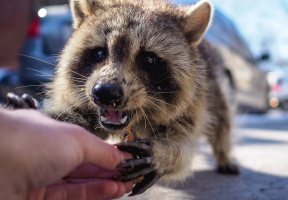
(124, 119)
(103, 119)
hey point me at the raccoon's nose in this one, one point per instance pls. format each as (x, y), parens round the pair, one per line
(108, 93)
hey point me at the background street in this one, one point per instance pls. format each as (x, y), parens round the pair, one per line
(260, 148)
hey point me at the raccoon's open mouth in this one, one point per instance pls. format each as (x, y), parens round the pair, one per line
(115, 119)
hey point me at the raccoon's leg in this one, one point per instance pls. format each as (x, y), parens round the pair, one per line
(168, 157)
(25, 101)
(220, 140)
(219, 129)
(87, 118)
(221, 148)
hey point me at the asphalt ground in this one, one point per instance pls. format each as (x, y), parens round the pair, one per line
(260, 147)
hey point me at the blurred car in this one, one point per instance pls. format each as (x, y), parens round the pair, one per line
(46, 37)
(245, 77)
(278, 96)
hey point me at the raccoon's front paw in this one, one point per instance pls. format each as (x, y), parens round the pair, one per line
(232, 169)
(16, 102)
(140, 166)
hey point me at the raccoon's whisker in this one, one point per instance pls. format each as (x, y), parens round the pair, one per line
(145, 125)
(55, 56)
(41, 93)
(78, 86)
(82, 98)
(137, 116)
(162, 111)
(68, 107)
(161, 101)
(78, 74)
(80, 101)
(77, 104)
(62, 90)
(168, 116)
(27, 86)
(77, 78)
(166, 78)
(144, 114)
(77, 89)
(79, 81)
(37, 59)
(172, 92)
(151, 125)
(83, 95)
(43, 73)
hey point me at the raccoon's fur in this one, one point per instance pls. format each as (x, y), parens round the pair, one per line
(160, 77)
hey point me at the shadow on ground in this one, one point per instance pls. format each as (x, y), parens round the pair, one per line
(208, 185)
(260, 146)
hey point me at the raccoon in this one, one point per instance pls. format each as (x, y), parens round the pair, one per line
(144, 64)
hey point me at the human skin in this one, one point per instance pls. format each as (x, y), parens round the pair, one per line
(42, 158)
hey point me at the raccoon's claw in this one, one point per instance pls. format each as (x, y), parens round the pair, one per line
(134, 174)
(16, 102)
(139, 166)
(147, 182)
(134, 163)
(149, 177)
(139, 148)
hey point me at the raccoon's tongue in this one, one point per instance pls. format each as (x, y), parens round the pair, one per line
(114, 117)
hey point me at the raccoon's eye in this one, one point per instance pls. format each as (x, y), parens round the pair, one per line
(148, 59)
(101, 54)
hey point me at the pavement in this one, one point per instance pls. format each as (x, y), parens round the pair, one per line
(260, 147)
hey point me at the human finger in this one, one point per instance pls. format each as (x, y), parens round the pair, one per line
(100, 153)
(87, 171)
(100, 190)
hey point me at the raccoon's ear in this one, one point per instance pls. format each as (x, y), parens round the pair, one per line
(81, 9)
(198, 20)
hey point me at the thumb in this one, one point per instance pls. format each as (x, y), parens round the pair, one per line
(99, 152)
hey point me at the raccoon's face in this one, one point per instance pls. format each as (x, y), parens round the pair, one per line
(138, 61)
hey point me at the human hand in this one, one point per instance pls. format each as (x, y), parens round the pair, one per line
(36, 152)
(87, 181)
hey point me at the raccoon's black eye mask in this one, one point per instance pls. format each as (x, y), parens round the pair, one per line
(148, 59)
(94, 55)
(100, 54)
(89, 58)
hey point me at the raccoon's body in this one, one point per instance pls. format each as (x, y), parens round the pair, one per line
(142, 64)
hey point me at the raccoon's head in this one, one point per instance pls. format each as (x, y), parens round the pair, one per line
(137, 60)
